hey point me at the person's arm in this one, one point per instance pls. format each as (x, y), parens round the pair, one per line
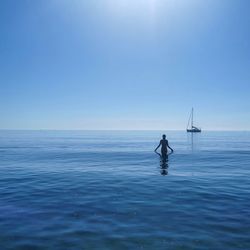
(158, 146)
(170, 148)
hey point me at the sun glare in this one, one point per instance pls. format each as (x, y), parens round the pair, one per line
(140, 6)
(151, 8)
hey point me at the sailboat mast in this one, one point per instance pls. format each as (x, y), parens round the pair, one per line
(192, 118)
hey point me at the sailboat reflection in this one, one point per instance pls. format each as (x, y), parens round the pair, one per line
(164, 163)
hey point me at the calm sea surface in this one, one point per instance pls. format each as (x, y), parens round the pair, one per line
(109, 190)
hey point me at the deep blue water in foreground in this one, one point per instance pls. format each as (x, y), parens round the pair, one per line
(109, 190)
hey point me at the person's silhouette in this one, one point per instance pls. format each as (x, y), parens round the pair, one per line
(164, 147)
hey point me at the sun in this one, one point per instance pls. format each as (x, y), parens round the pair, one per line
(141, 9)
(130, 5)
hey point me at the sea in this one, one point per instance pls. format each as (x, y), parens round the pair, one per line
(70, 190)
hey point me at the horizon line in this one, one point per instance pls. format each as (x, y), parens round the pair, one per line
(206, 130)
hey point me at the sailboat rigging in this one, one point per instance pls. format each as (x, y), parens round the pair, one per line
(192, 128)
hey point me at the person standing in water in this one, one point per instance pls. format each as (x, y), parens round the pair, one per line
(164, 146)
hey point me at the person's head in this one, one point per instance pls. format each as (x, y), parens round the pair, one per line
(164, 137)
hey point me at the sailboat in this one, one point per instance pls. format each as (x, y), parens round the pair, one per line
(192, 129)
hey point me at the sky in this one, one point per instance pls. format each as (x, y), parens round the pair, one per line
(127, 64)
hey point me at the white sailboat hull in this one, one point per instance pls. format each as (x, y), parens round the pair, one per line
(194, 130)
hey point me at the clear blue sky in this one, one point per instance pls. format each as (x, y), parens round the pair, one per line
(127, 64)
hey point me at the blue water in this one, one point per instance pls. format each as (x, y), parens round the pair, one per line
(109, 190)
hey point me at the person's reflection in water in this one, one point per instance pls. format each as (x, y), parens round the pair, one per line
(163, 163)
